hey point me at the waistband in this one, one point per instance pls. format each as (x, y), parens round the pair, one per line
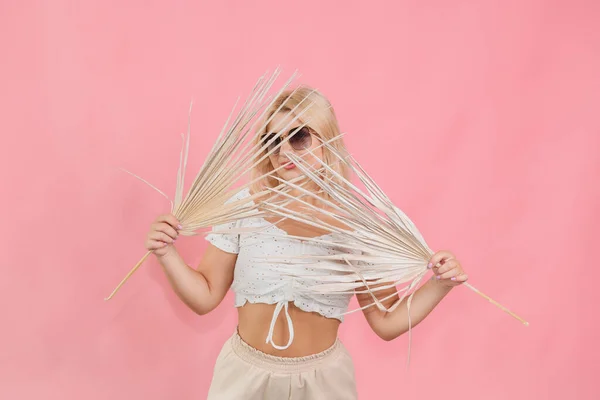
(284, 364)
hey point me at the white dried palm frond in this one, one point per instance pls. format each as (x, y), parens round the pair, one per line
(234, 154)
(382, 247)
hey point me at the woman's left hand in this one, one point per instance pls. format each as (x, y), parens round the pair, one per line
(447, 269)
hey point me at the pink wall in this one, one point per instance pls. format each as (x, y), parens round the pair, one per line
(479, 118)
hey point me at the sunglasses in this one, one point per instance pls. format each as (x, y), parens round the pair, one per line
(301, 140)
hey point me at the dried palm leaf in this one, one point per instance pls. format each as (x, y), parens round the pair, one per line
(234, 154)
(383, 248)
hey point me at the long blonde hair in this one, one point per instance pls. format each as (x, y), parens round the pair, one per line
(323, 122)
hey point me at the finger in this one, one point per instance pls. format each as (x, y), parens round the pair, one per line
(171, 220)
(461, 278)
(454, 272)
(167, 229)
(447, 266)
(155, 245)
(160, 237)
(439, 258)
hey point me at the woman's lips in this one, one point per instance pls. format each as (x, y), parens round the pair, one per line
(289, 165)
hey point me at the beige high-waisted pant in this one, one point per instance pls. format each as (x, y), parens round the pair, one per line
(242, 372)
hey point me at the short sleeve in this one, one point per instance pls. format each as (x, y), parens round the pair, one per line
(229, 243)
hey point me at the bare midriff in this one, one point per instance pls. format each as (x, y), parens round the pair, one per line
(313, 333)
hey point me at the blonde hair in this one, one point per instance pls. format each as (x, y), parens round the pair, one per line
(323, 123)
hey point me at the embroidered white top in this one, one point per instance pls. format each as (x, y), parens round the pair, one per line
(258, 281)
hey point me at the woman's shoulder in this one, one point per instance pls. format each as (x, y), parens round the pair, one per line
(240, 194)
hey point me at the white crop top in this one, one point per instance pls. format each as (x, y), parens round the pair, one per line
(257, 281)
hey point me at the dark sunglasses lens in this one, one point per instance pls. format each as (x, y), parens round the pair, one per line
(272, 143)
(301, 140)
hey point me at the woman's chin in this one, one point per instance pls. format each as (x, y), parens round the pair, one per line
(288, 175)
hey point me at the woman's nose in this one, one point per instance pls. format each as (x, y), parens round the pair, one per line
(286, 147)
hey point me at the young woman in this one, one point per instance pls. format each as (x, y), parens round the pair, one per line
(286, 345)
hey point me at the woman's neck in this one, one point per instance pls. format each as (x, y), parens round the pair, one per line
(306, 197)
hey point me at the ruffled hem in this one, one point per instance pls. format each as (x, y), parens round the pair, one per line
(240, 301)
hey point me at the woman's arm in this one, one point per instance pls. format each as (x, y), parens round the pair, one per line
(201, 289)
(204, 288)
(389, 325)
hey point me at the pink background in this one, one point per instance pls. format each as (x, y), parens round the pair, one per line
(479, 118)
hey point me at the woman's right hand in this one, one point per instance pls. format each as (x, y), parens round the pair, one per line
(163, 233)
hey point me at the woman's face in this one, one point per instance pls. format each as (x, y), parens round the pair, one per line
(301, 140)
